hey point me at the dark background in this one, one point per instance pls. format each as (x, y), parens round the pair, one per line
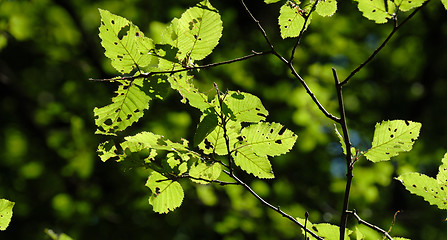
(48, 162)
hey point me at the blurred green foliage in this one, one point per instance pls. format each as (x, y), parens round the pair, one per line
(48, 163)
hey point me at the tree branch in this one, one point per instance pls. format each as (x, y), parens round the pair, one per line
(387, 39)
(276, 209)
(149, 74)
(349, 158)
(361, 221)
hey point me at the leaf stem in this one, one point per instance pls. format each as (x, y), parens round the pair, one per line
(387, 39)
(277, 209)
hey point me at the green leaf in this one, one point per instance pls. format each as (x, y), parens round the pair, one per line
(206, 126)
(341, 140)
(127, 108)
(107, 150)
(252, 163)
(197, 32)
(324, 230)
(191, 95)
(214, 142)
(445, 3)
(167, 194)
(391, 138)
(243, 107)
(124, 43)
(432, 190)
(326, 8)
(406, 5)
(5, 213)
(270, 139)
(56, 236)
(206, 171)
(377, 10)
(271, 1)
(149, 140)
(291, 20)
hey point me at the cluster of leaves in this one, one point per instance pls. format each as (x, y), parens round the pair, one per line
(232, 123)
(232, 130)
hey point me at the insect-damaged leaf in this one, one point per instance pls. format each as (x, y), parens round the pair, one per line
(432, 190)
(391, 138)
(124, 43)
(166, 194)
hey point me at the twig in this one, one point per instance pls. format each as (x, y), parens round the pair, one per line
(349, 159)
(311, 94)
(387, 39)
(259, 24)
(149, 74)
(361, 221)
(392, 223)
(277, 209)
(298, 39)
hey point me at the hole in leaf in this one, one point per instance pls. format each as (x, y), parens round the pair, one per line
(123, 32)
(407, 123)
(108, 122)
(391, 136)
(281, 132)
(260, 114)
(157, 191)
(278, 141)
(113, 22)
(128, 116)
(208, 144)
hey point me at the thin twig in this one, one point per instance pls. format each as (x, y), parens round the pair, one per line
(387, 39)
(361, 221)
(311, 94)
(349, 159)
(277, 209)
(298, 39)
(258, 23)
(149, 74)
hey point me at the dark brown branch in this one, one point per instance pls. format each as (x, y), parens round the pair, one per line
(277, 209)
(361, 221)
(349, 158)
(258, 23)
(387, 39)
(311, 94)
(149, 74)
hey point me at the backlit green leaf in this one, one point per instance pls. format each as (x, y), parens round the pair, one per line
(271, 1)
(377, 10)
(405, 5)
(197, 32)
(291, 20)
(167, 194)
(252, 163)
(5, 213)
(270, 139)
(326, 8)
(206, 171)
(214, 142)
(127, 108)
(324, 230)
(432, 190)
(191, 95)
(124, 43)
(391, 138)
(243, 107)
